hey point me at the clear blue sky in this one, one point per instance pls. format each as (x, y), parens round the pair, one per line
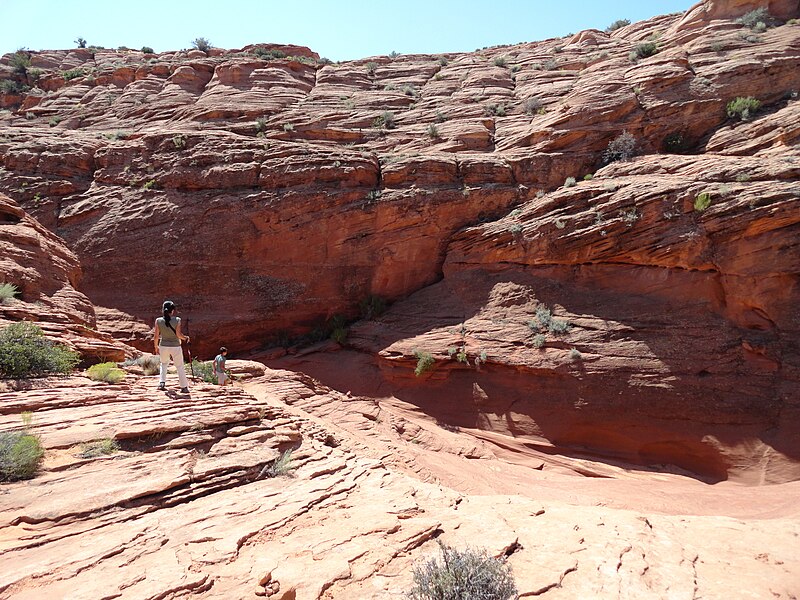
(336, 29)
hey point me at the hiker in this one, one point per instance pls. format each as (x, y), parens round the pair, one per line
(167, 338)
(219, 366)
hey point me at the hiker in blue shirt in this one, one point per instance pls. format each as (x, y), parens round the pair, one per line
(219, 366)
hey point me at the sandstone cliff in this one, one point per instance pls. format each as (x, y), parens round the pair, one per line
(601, 348)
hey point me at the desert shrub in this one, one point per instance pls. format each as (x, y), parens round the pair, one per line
(149, 185)
(643, 50)
(98, 448)
(433, 132)
(544, 322)
(495, 110)
(499, 61)
(150, 363)
(147, 50)
(20, 61)
(425, 362)
(108, 372)
(570, 182)
(463, 575)
(538, 340)
(73, 74)
(743, 108)
(372, 307)
(80, 42)
(702, 202)
(622, 147)
(385, 120)
(9, 86)
(410, 90)
(532, 105)
(758, 19)
(280, 467)
(675, 143)
(371, 67)
(575, 354)
(202, 44)
(618, 24)
(550, 65)
(265, 54)
(203, 370)
(21, 454)
(25, 352)
(7, 291)
(338, 327)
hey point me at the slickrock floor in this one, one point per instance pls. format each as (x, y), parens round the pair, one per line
(182, 509)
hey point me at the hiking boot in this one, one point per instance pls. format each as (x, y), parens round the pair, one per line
(184, 390)
(162, 386)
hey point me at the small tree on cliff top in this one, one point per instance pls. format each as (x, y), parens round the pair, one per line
(202, 44)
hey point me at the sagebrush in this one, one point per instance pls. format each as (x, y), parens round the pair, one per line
(21, 453)
(463, 575)
(25, 352)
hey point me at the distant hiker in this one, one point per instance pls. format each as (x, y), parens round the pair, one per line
(167, 337)
(219, 366)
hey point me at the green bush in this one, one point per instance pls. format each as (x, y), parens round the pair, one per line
(545, 321)
(147, 50)
(499, 61)
(570, 182)
(702, 202)
(21, 454)
(425, 362)
(372, 307)
(433, 132)
(618, 24)
(743, 108)
(757, 20)
(108, 372)
(280, 467)
(203, 370)
(385, 120)
(532, 105)
(643, 50)
(675, 143)
(463, 575)
(20, 61)
(98, 448)
(202, 44)
(371, 67)
(7, 292)
(622, 148)
(9, 86)
(265, 54)
(25, 352)
(73, 74)
(495, 110)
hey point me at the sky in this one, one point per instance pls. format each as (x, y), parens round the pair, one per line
(336, 29)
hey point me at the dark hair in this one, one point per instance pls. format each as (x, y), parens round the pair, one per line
(223, 349)
(169, 306)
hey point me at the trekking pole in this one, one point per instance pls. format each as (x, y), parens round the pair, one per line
(189, 350)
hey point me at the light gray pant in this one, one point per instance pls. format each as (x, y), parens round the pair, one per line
(176, 354)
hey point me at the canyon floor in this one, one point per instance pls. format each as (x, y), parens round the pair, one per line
(185, 509)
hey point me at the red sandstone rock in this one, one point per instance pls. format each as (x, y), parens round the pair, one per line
(46, 274)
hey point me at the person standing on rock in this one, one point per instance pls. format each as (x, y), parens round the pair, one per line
(167, 338)
(219, 366)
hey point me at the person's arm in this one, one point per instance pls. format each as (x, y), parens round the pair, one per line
(183, 338)
(155, 337)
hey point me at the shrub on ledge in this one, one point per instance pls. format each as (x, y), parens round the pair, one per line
(25, 352)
